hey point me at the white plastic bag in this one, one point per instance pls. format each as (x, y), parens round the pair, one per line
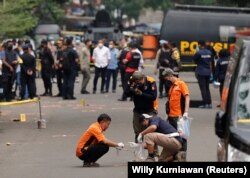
(139, 152)
(183, 126)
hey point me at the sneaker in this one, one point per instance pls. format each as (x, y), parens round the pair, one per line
(160, 96)
(122, 99)
(208, 106)
(202, 106)
(180, 157)
(150, 159)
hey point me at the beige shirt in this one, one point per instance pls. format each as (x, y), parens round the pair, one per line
(84, 58)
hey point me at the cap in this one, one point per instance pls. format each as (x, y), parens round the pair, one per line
(137, 75)
(146, 116)
(133, 44)
(25, 46)
(163, 42)
(168, 72)
(44, 41)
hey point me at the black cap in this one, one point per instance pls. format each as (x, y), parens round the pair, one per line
(25, 47)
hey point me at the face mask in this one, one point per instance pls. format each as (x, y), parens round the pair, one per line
(111, 46)
(100, 45)
(9, 47)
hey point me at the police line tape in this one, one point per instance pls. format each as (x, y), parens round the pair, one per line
(20, 102)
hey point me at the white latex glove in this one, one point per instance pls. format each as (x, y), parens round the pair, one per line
(133, 144)
(139, 138)
(120, 145)
(185, 114)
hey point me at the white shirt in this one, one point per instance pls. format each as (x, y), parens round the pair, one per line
(101, 56)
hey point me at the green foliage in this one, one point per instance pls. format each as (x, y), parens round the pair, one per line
(20, 17)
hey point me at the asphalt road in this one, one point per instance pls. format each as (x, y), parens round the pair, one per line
(29, 152)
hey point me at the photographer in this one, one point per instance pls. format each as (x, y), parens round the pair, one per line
(144, 92)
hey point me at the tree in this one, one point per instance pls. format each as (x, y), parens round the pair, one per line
(20, 17)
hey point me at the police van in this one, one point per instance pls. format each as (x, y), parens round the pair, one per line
(232, 122)
(186, 25)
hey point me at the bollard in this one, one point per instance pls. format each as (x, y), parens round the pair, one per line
(41, 124)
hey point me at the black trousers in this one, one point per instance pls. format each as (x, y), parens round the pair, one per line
(94, 152)
(99, 71)
(46, 76)
(68, 84)
(7, 82)
(59, 78)
(204, 88)
(30, 82)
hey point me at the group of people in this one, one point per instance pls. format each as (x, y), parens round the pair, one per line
(17, 66)
(148, 127)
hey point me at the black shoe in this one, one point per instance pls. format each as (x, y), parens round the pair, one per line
(90, 164)
(122, 99)
(85, 92)
(72, 98)
(58, 95)
(94, 92)
(103, 92)
(160, 96)
(45, 94)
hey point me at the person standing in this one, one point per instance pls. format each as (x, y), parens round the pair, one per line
(93, 144)
(122, 55)
(112, 67)
(203, 59)
(69, 66)
(143, 89)
(58, 67)
(47, 62)
(101, 58)
(85, 66)
(28, 73)
(133, 61)
(221, 68)
(9, 70)
(163, 58)
(178, 103)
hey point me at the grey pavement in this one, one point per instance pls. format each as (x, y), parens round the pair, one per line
(29, 152)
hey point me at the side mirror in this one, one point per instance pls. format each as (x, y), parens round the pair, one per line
(220, 123)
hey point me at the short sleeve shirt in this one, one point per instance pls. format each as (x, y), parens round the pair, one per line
(178, 89)
(93, 135)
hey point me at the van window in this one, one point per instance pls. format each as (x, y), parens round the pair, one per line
(243, 105)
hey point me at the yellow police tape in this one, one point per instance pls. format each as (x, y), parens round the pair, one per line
(244, 120)
(19, 102)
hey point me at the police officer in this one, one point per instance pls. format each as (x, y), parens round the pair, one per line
(47, 62)
(28, 73)
(221, 68)
(163, 58)
(70, 58)
(132, 62)
(203, 59)
(9, 70)
(144, 92)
